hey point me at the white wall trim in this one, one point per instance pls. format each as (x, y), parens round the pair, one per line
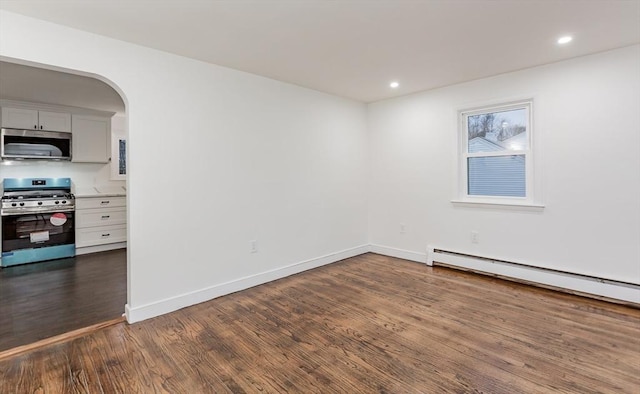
(195, 297)
(596, 286)
(100, 248)
(484, 203)
(568, 281)
(399, 253)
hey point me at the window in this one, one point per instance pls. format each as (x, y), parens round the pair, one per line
(118, 155)
(496, 159)
(122, 156)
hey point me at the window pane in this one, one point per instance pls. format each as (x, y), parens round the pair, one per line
(498, 131)
(122, 158)
(497, 176)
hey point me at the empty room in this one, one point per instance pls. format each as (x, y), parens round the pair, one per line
(320, 196)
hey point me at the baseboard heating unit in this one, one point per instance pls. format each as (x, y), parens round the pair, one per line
(559, 280)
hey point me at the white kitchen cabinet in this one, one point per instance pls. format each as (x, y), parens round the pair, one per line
(18, 118)
(101, 217)
(25, 118)
(54, 121)
(101, 223)
(98, 202)
(103, 235)
(91, 139)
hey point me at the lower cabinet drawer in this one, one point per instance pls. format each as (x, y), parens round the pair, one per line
(100, 235)
(100, 202)
(100, 217)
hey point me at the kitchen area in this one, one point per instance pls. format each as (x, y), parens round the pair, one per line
(63, 203)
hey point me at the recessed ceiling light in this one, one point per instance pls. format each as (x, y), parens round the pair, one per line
(565, 40)
(394, 84)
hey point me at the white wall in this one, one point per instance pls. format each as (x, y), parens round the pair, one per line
(586, 119)
(220, 157)
(217, 158)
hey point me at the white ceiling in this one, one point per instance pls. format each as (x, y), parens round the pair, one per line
(354, 48)
(25, 83)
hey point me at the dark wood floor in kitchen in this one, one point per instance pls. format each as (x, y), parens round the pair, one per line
(41, 300)
(369, 324)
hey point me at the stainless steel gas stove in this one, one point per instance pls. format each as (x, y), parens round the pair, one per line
(37, 220)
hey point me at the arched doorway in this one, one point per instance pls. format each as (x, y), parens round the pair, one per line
(47, 298)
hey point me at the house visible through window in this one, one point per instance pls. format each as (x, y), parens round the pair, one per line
(122, 157)
(496, 158)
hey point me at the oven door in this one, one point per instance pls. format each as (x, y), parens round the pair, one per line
(30, 237)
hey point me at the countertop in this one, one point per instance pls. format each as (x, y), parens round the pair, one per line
(100, 191)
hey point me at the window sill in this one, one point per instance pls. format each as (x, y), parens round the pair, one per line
(500, 204)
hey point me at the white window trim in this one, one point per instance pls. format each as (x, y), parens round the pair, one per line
(531, 200)
(116, 136)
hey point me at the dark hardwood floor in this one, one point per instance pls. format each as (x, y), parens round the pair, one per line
(44, 299)
(363, 325)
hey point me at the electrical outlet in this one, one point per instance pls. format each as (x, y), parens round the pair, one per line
(402, 228)
(475, 237)
(253, 246)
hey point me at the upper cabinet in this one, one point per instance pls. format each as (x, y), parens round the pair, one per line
(91, 129)
(24, 118)
(91, 139)
(54, 121)
(18, 118)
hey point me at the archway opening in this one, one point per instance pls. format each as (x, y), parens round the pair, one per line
(42, 299)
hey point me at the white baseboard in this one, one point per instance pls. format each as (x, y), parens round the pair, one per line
(575, 282)
(167, 305)
(100, 248)
(399, 253)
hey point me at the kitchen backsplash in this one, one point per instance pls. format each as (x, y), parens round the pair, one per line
(81, 174)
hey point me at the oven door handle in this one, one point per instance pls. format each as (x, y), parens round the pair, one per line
(31, 211)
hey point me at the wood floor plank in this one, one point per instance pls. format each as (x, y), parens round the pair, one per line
(46, 299)
(367, 324)
(446, 351)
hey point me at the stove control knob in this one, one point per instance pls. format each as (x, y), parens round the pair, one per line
(39, 202)
(57, 202)
(13, 204)
(22, 204)
(64, 202)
